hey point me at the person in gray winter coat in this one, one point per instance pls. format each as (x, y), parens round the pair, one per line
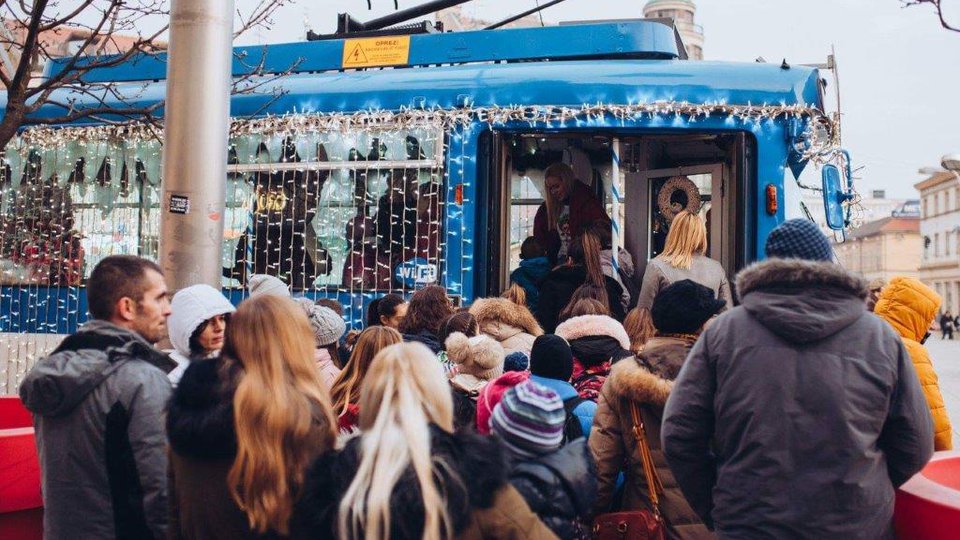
(798, 413)
(98, 403)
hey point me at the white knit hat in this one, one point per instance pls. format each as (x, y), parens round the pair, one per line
(263, 284)
(326, 324)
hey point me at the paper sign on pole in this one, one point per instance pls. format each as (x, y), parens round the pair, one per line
(375, 52)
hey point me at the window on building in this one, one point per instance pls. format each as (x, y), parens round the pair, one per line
(936, 245)
(926, 206)
(936, 203)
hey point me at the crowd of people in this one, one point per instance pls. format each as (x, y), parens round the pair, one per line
(794, 414)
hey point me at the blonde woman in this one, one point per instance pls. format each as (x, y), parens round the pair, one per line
(244, 427)
(567, 210)
(684, 257)
(408, 476)
(345, 393)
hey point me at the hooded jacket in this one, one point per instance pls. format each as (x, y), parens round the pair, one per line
(597, 342)
(797, 413)
(98, 403)
(646, 381)
(529, 275)
(480, 501)
(513, 326)
(558, 287)
(190, 308)
(560, 487)
(910, 306)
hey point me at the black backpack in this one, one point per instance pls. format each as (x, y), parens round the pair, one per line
(572, 429)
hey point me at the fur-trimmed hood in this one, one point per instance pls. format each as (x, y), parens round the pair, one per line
(649, 377)
(200, 414)
(502, 319)
(592, 326)
(478, 462)
(802, 301)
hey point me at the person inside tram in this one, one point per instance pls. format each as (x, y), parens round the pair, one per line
(568, 209)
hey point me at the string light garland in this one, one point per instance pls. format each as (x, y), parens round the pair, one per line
(72, 195)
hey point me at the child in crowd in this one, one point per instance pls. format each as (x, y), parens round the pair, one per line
(534, 266)
(479, 360)
(327, 328)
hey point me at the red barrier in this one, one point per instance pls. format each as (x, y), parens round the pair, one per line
(928, 505)
(21, 504)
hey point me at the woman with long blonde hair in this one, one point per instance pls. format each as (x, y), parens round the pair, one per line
(408, 476)
(684, 257)
(568, 209)
(244, 427)
(345, 393)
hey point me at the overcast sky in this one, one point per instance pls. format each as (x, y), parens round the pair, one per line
(899, 70)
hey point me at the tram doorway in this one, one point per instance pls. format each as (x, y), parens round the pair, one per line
(655, 175)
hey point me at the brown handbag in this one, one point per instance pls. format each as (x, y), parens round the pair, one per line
(636, 524)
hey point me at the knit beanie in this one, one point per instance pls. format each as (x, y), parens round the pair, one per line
(260, 284)
(683, 307)
(799, 239)
(551, 358)
(491, 395)
(480, 356)
(516, 361)
(326, 324)
(529, 420)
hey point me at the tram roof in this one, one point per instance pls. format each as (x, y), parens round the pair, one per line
(609, 78)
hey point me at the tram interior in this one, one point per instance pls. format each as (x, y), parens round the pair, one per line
(660, 174)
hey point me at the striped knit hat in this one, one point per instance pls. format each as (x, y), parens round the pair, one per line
(529, 419)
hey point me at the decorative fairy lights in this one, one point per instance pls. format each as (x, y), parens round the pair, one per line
(72, 195)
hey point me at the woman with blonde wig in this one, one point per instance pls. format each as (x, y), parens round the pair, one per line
(345, 393)
(244, 427)
(684, 257)
(408, 476)
(568, 209)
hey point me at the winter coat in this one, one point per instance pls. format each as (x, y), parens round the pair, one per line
(703, 270)
(513, 326)
(584, 210)
(558, 288)
(909, 306)
(646, 381)
(191, 307)
(597, 341)
(798, 413)
(584, 412)
(203, 446)
(98, 406)
(328, 371)
(529, 275)
(480, 501)
(427, 338)
(560, 487)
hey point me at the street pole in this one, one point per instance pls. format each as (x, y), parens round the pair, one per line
(196, 124)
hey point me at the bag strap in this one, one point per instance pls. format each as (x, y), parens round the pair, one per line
(654, 484)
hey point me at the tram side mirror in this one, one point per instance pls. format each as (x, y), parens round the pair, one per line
(833, 197)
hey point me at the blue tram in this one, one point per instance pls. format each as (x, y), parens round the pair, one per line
(382, 164)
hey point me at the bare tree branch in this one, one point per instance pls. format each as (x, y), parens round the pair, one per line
(259, 16)
(938, 6)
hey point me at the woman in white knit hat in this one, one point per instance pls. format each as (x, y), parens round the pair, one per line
(197, 322)
(327, 328)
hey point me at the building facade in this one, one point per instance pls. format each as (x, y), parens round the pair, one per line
(940, 232)
(883, 248)
(683, 13)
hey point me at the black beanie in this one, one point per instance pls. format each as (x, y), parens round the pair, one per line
(551, 357)
(683, 307)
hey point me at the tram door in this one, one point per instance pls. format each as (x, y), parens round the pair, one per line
(653, 197)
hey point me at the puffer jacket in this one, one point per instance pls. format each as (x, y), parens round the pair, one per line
(910, 306)
(328, 370)
(646, 381)
(560, 487)
(513, 326)
(797, 413)
(98, 411)
(480, 501)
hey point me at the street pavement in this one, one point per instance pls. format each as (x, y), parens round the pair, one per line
(946, 361)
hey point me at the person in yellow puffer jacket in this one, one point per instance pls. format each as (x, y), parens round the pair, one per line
(910, 306)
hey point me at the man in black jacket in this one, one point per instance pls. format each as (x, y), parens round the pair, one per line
(798, 412)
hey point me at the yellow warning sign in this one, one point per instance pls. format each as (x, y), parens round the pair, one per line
(375, 52)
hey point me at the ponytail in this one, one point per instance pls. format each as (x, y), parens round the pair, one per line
(586, 252)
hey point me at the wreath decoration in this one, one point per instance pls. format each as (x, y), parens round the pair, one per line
(665, 198)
